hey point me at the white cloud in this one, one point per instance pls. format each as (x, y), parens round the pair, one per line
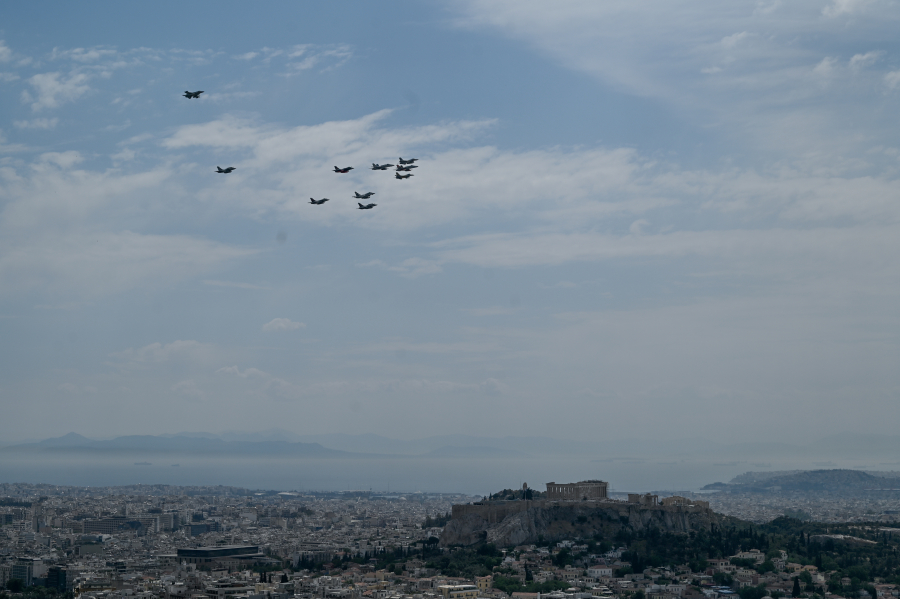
(312, 56)
(6, 54)
(91, 265)
(84, 55)
(826, 67)
(861, 61)
(760, 54)
(637, 227)
(125, 155)
(892, 79)
(8, 77)
(730, 41)
(247, 56)
(42, 123)
(60, 232)
(247, 373)
(53, 89)
(843, 7)
(282, 324)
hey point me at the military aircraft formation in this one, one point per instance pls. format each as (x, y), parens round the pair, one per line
(403, 166)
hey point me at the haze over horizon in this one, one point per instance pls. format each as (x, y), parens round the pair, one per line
(631, 221)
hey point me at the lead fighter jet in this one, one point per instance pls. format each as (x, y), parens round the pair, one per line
(410, 161)
(225, 170)
(322, 201)
(367, 206)
(380, 167)
(406, 168)
(363, 196)
(346, 169)
(406, 176)
(190, 95)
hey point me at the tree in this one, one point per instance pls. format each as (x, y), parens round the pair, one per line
(795, 592)
(766, 566)
(15, 585)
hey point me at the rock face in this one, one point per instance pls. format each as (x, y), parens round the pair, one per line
(555, 521)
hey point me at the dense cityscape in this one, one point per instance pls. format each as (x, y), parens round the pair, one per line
(168, 542)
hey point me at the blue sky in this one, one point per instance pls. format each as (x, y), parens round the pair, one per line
(630, 219)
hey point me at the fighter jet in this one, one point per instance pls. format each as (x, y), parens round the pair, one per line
(406, 168)
(225, 170)
(410, 161)
(363, 196)
(367, 206)
(322, 201)
(380, 167)
(406, 176)
(346, 169)
(190, 95)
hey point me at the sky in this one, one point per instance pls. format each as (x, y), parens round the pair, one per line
(630, 220)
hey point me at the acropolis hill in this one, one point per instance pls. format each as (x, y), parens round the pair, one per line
(574, 510)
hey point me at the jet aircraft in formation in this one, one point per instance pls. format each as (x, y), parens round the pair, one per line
(405, 165)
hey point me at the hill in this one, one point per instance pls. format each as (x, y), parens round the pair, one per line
(834, 481)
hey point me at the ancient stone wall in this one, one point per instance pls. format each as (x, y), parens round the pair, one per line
(509, 523)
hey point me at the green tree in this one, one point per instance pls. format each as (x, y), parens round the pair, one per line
(563, 558)
(766, 566)
(795, 592)
(15, 585)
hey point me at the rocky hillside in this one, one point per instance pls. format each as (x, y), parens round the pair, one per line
(555, 521)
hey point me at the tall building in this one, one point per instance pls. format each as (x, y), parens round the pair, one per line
(58, 578)
(23, 569)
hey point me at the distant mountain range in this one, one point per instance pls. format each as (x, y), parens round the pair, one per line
(882, 449)
(74, 442)
(269, 444)
(837, 480)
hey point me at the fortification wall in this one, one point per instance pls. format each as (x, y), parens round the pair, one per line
(509, 523)
(492, 512)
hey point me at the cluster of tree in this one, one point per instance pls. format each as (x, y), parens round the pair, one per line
(18, 588)
(467, 562)
(436, 521)
(861, 563)
(517, 494)
(513, 585)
